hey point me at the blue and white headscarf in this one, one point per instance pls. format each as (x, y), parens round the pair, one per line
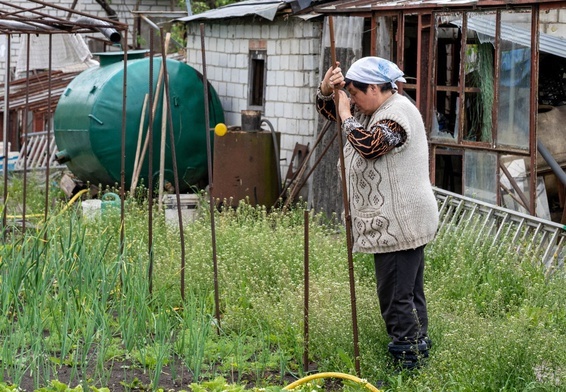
(375, 70)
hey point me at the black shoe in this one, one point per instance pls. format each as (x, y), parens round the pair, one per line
(409, 356)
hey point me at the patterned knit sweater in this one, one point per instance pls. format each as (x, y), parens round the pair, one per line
(392, 204)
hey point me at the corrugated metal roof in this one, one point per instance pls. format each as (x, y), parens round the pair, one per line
(264, 8)
(359, 6)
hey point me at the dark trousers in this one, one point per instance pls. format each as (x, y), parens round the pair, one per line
(400, 289)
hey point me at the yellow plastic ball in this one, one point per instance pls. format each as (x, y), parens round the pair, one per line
(220, 129)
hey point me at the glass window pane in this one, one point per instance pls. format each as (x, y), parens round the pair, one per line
(480, 175)
(448, 35)
(514, 80)
(479, 71)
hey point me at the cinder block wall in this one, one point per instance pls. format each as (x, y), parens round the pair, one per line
(293, 50)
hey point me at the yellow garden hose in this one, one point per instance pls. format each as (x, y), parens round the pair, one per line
(330, 375)
(73, 199)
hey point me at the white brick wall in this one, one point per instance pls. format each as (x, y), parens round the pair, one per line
(292, 72)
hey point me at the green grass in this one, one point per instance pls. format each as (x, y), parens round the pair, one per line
(68, 298)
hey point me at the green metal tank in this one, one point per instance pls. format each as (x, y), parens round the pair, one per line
(88, 121)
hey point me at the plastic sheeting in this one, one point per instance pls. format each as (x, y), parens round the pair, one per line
(69, 53)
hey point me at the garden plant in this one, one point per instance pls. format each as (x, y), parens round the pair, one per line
(80, 310)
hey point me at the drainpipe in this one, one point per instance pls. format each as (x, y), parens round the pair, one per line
(103, 27)
(556, 169)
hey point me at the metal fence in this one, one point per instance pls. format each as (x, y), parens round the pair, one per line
(505, 230)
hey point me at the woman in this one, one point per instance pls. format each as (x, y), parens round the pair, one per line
(393, 208)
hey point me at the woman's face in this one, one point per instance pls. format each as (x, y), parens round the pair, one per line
(367, 102)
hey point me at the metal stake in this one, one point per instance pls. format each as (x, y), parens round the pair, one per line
(346, 208)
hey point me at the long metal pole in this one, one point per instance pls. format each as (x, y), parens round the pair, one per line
(149, 141)
(169, 119)
(5, 131)
(25, 136)
(306, 295)
(48, 146)
(210, 178)
(348, 221)
(123, 145)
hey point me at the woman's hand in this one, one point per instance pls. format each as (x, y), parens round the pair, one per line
(332, 79)
(344, 105)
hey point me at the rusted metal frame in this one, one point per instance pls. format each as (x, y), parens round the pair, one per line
(50, 21)
(48, 147)
(419, 60)
(373, 35)
(462, 82)
(511, 195)
(400, 48)
(497, 70)
(431, 94)
(306, 292)
(494, 115)
(116, 24)
(533, 107)
(478, 146)
(21, 10)
(6, 122)
(123, 146)
(350, 6)
(25, 133)
(425, 25)
(346, 203)
(514, 184)
(212, 205)
(166, 101)
(149, 138)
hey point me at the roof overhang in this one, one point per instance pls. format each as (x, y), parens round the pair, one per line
(363, 6)
(264, 9)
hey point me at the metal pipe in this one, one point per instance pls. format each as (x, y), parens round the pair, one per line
(26, 130)
(276, 148)
(165, 103)
(103, 27)
(306, 294)
(348, 218)
(149, 140)
(5, 130)
(556, 169)
(210, 179)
